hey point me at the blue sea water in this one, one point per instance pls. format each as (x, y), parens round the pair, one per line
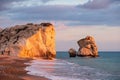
(105, 67)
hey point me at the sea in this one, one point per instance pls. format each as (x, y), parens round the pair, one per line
(105, 67)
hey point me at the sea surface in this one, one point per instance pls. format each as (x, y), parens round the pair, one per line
(105, 67)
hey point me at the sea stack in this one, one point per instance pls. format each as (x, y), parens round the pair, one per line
(29, 41)
(88, 47)
(72, 52)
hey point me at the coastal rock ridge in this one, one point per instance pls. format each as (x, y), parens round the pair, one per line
(87, 47)
(29, 41)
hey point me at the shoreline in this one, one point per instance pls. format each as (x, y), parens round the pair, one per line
(13, 68)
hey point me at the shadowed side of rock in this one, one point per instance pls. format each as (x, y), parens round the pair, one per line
(87, 47)
(30, 40)
(12, 37)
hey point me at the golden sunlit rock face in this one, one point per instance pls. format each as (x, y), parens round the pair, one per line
(41, 44)
(32, 40)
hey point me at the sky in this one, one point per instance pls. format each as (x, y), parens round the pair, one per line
(73, 20)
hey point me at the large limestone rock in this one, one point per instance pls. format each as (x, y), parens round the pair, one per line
(30, 40)
(87, 47)
(72, 52)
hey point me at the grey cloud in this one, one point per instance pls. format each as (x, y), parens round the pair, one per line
(44, 13)
(73, 14)
(45, 1)
(109, 16)
(96, 4)
(118, 1)
(5, 4)
(99, 4)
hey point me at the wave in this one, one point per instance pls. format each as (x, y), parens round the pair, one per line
(63, 70)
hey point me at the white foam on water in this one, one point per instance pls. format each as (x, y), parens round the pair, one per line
(63, 70)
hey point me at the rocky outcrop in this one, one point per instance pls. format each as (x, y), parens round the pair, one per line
(72, 52)
(30, 40)
(87, 47)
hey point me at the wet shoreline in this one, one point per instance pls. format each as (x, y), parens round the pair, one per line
(13, 68)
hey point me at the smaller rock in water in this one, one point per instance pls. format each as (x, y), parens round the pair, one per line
(88, 47)
(72, 52)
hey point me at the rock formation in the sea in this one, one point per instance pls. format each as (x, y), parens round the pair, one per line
(88, 47)
(72, 52)
(30, 40)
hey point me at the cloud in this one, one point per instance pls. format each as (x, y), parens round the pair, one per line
(99, 4)
(45, 1)
(71, 14)
(9, 4)
(5, 4)
(96, 4)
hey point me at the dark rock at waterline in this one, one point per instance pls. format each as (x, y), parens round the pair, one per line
(72, 52)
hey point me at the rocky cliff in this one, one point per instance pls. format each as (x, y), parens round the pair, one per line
(87, 47)
(0, 29)
(30, 40)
